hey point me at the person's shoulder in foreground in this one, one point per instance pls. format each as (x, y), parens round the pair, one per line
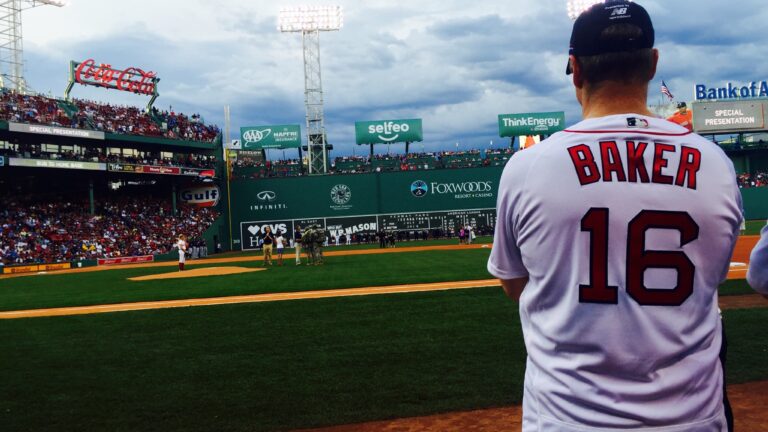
(758, 265)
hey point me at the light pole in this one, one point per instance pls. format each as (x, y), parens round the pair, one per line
(577, 7)
(11, 41)
(310, 21)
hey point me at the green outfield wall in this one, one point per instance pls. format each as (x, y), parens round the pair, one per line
(755, 203)
(403, 201)
(411, 200)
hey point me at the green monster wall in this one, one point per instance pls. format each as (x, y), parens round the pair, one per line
(349, 204)
(755, 203)
(413, 200)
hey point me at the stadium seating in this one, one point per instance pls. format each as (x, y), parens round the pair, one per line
(464, 159)
(64, 231)
(82, 114)
(758, 179)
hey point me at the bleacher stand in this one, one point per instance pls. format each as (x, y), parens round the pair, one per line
(83, 114)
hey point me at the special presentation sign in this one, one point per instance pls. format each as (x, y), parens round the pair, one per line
(723, 117)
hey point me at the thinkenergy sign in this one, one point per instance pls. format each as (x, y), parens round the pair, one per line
(513, 125)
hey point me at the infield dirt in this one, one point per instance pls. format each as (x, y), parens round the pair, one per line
(748, 402)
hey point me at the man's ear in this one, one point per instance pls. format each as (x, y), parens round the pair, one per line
(655, 64)
(578, 80)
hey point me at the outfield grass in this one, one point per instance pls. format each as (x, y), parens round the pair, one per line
(278, 366)
(353, 271)
(754, 227)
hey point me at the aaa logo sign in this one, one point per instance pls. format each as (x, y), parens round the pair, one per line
(270, 137)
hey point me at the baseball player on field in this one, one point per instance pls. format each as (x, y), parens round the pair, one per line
(614, 235)
(181, 245)
(758, 265)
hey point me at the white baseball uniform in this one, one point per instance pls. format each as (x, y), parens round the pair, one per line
(758, 265)
(182, 246)
(625, 226)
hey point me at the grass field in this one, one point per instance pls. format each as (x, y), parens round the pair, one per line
(754, 227)
(278, 366)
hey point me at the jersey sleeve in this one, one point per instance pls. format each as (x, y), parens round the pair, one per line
(758, 265)
(506, 260)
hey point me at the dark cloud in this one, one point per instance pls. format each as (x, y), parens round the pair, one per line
(456, 66)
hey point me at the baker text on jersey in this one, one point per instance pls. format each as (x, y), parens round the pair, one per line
(609, 166)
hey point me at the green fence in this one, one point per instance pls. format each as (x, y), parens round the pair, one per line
(755, 203)
(411, 200)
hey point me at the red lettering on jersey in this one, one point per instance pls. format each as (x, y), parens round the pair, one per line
(690, 164)
(584, 162)
(660, 162)
(636, 163)
(609, 152)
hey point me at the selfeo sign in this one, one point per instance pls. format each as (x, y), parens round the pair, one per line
(512, 125)
(389, 131)
(755, 89)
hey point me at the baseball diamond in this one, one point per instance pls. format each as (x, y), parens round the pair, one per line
(432, 229)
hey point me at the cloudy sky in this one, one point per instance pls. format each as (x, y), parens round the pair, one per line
(455, 64)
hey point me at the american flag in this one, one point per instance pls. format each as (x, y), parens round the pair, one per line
(665, 90)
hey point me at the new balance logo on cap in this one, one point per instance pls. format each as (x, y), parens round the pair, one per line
(619, 11)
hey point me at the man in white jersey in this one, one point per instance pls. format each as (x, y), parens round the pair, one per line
(758, 265)
(614, 235)
(181, 244)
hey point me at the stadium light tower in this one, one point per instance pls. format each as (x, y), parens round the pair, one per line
(577, 7)
(310, 21)
(11, 42)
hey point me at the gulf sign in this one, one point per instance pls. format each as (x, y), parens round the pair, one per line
(201, 196)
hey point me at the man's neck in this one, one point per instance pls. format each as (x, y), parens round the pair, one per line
(615, 98)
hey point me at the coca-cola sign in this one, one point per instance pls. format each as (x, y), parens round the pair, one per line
(132, 80)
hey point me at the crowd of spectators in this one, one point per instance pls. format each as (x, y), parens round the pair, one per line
(32, 109)
(758, 179)
(50, 232)
(91, 115)
(92, 154)
(249, 167)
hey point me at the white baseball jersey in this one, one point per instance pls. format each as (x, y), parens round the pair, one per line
(625, 226)
(758, 265)
(182, 245)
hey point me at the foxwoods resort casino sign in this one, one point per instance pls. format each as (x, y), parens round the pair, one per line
(754, 89)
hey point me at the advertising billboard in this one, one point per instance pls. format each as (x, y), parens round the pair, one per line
(389, 131)
(55, 131)
(513, 125)
(728, 117)
(57, 164)
(270, 137)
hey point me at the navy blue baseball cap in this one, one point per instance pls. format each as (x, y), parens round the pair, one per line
(586, 36)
